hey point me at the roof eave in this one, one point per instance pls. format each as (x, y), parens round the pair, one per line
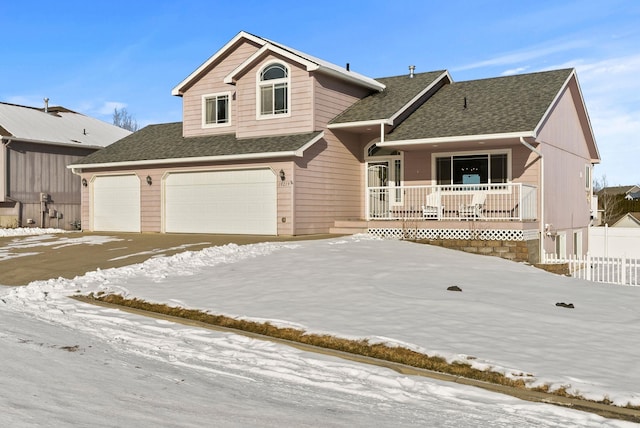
(231, 77)
(9, 139)
(178, 90)
(359, 124)
(582, 113)
(238, 157)
(351, 77)
(414, 143)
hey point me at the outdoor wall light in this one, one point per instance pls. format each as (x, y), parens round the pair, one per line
(149, 181)
(282, 175)
(84, 182)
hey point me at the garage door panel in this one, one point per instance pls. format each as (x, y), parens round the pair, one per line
(235, 202)
(116, 204)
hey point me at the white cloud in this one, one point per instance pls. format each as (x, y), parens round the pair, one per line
(513, 71)
(108, 107)
(522, 56)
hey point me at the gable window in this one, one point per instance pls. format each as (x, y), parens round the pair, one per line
(472, 168)
(215, 110)
(273, 90)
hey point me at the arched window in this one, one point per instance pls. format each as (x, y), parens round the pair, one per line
(273, 90)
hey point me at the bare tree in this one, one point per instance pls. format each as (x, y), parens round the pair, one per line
(123, 119)
(609, 203)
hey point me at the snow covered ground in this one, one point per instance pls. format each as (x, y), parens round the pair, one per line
(65, 363)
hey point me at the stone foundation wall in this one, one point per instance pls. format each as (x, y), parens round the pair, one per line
(519, 251)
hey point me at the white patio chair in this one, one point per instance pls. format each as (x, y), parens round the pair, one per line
(432, 208)
(475, 208)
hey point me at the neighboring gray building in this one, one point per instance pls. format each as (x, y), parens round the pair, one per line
(36, 145)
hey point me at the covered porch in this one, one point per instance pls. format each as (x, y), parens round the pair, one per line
(510, 202)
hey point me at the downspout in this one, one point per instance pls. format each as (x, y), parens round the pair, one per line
(539, 153)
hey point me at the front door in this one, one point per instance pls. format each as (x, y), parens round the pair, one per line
(378, 188)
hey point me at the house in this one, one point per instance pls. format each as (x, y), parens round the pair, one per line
(615, 201)
(630, 192)
(628, 220)
(274, 141)
(36, 145)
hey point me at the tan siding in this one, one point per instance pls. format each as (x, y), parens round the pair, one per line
(210, 83)
(332, 97)
(329, 185)
(151, 199)
(300, 118)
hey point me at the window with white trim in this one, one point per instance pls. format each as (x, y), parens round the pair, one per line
(472, 168)
(587, 176)
(216, 109)
(273, 90)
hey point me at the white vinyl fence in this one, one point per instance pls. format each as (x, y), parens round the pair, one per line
(610, 270)
(614, 241)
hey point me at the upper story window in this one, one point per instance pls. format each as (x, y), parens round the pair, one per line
(273, 90)
(472, 168)
(215, 110)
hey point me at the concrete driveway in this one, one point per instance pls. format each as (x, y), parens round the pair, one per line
(29, 258)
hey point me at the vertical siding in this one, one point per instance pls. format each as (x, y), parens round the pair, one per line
(39, 168)
(212, 83)
(565, 153)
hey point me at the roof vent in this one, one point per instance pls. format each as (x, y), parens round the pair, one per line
(348, 67)
(46, 105)
(412, 69)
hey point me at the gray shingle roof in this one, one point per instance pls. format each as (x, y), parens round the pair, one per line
(493, 106)
(383, 105)
(165, 141)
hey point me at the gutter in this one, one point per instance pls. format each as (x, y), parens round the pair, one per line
(542, 228)
(456, 139)
(77, 168)
(50, 143)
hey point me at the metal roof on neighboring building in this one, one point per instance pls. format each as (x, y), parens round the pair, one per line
(56, 126)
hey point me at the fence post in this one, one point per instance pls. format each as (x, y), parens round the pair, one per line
(588, 267)
(623, 267)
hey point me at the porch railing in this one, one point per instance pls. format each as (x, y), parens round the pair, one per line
(508, 201)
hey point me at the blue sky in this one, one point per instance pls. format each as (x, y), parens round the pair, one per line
(92, 56)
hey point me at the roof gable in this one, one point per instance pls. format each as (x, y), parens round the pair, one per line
(266, 46)
(502, 105)
(399, 94)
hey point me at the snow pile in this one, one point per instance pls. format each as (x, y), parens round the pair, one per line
(394, 292)
(27, 231)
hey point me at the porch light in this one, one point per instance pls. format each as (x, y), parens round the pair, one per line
(282, 175)
(84, 182)
(149, 181)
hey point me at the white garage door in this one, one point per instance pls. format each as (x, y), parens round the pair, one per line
(233, 202)
(116, 203)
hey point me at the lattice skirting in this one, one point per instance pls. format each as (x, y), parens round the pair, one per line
(481, 234)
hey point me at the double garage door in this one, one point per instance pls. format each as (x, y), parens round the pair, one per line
(230, 202)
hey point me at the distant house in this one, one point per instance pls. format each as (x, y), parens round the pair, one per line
(277, 142)
(629, 192)
(628, 220)
(36, 188)
(615, 201)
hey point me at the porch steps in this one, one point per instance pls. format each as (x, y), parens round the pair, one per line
(349, 227)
